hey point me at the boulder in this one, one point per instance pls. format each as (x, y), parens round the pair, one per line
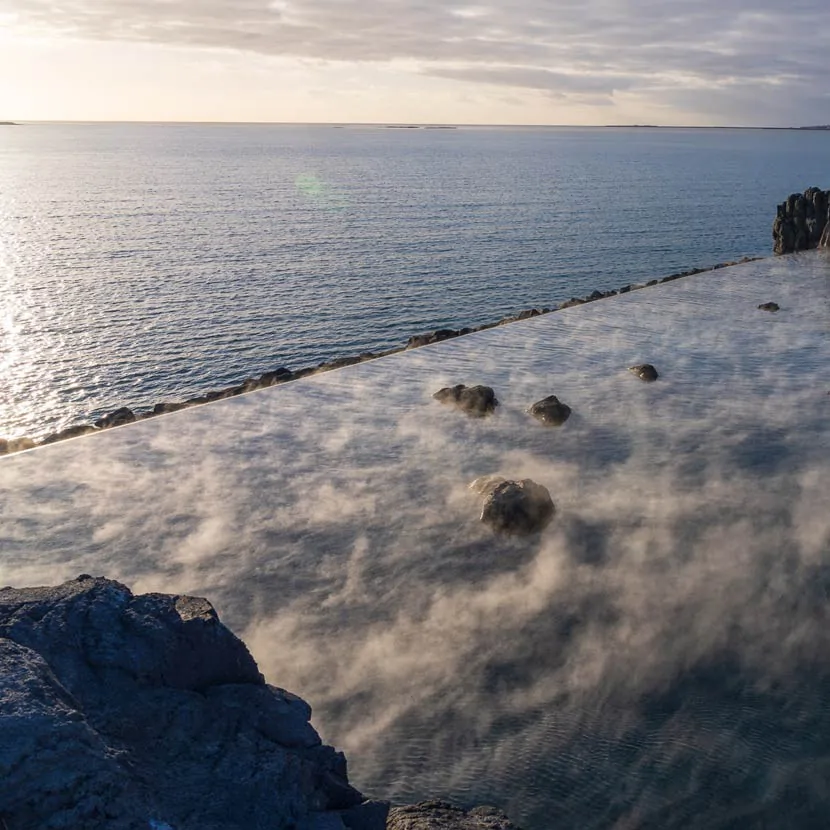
(70, 432)
(279, 375)
(10, 445)
(550, 411)
(116, 419)
(801, 221)
(769, 307)
(172, 406)
(431, 337)
(514, 507)
(644, 371)
(122, 711)
(435, 815)
(477, 401)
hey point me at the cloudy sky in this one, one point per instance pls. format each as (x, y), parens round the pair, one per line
(744, 62)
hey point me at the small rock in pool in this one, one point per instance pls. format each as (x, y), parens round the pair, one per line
(477, 401)
(644, 371)
(550, 411)
(769, 307)
(517, 507)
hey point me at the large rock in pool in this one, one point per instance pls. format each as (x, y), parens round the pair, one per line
(514, 507)
(432, 815)
(550, 411)
(477, 401)
(120, 711)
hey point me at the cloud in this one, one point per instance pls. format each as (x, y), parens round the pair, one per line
(562, 48)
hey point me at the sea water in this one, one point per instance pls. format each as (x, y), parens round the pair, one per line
(141, 263)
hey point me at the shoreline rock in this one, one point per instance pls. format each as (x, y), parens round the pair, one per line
(122, 711)
(125, 415)
(146, 709)
(802, 222)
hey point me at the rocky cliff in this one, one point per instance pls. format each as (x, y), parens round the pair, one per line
(146, 713)
(802, 222)
(121, 711)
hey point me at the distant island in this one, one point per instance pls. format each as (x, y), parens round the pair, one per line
(697, 127)
(420, 127)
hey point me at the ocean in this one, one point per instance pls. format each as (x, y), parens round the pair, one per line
(141, 263)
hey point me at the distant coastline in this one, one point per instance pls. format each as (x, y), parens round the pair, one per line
(819, 127)
(9, 124)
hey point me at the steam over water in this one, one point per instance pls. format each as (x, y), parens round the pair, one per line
(144, 263)
(659, 657)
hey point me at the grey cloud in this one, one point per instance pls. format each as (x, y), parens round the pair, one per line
(563, 47)
(594, 85)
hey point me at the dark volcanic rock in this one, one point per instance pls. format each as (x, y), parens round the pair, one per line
(550, 411)
(69, 432)
(514, 507)
(279, 375)
(116, 419)
(769, 307)
(644, 371)
(439, 815)
(802, 221)
(121, 711)
(431, 337)
(477, 401)
(172, 406)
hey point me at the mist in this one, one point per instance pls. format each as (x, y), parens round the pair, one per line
(657, 657)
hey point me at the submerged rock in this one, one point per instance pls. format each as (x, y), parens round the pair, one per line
(644, 371)
(122, 711)
(514, 507)
(477, 401)
(769, 307)
(550, 411)
(439, 815)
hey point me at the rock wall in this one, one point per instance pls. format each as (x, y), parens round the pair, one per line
(802, 222)
(121, 711)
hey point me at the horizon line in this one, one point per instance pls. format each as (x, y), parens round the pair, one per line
(415, 124)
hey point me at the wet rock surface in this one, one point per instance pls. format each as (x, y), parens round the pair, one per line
(75, 431)
(476, 401)
(518, 508)
(116, 419)
(122, 711)
(769, 307)
(550, 411)
(431, 815)
(644, 371)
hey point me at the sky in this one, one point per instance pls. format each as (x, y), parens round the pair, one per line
(587, 62)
